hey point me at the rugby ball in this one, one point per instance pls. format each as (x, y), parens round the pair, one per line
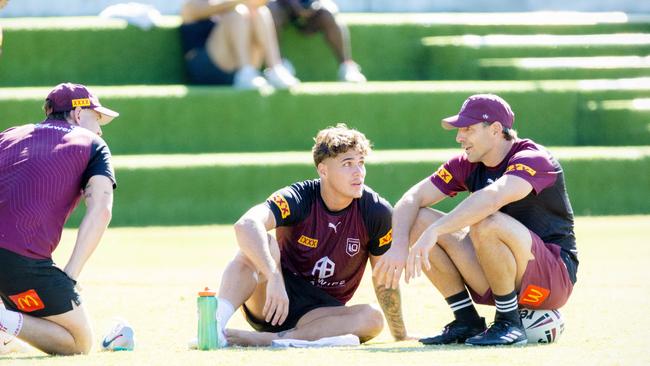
(542, 326)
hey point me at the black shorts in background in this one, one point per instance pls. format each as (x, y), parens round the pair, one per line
(35, 286)
(303, 298)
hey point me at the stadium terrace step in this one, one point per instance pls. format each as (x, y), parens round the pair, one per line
(108, 52)
(219, 188)
(456, 57)
(545, 68)
(627, 120)
(394, 115)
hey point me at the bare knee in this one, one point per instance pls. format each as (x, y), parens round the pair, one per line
(371, 322)
(241, 262)
(423, 220)
(482, 231)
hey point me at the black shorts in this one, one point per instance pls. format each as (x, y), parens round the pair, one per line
(35, 286)
(303, 298)
(201, 70)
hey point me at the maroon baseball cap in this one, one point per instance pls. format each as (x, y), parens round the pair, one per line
(481, 108)
(67, 96)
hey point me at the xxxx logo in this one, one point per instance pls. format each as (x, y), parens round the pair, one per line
(386, 239)
(282, 204)
(308, 242)
(83, 102)
(522, 167)
(444, 174)
(534, 296)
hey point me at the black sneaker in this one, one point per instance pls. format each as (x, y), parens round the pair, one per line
(500, 333)
(456, 332)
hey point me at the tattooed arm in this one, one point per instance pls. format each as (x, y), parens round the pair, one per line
(98, 195)
(391, 304)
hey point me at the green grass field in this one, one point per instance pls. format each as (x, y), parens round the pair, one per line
(150, 276)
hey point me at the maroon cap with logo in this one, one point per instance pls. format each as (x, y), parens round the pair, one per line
(481, 108)
(67, 96)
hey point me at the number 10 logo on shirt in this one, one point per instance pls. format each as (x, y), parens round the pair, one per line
(353, 246)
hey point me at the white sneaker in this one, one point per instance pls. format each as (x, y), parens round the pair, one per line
(337, 341)
(280, 78)
(350, 71)
(289, 66)
(11, 344)
(119, 338)
(249, 78)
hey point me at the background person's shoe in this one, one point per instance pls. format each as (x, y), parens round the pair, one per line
(249, 78)
(456, 332)
(351, 72)
(280, 78)
(500, 333)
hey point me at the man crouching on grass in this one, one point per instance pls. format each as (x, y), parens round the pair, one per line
(295, 285)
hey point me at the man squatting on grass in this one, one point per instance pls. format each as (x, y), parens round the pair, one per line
(295, 285)
(45, 168)
(510, 242)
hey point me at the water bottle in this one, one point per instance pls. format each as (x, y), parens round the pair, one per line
(207, 327)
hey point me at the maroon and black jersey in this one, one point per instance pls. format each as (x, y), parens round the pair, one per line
(546, 211)
(43, 169)
(329, 249)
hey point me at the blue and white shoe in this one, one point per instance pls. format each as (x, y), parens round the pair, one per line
(500, 333)
(120, 338)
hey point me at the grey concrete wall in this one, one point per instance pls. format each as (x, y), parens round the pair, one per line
(17, 8)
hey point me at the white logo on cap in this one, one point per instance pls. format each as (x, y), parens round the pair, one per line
(485, 116)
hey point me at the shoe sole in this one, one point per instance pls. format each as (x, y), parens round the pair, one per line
(520, 343)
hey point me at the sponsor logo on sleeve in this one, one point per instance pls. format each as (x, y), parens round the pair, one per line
(534, 296)
(523, 167)
(386, 239)
(308, 242)
(282, 204)
(83, 102)
(28, 301)
(444, 174)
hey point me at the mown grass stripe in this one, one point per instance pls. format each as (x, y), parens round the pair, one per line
(154, 161)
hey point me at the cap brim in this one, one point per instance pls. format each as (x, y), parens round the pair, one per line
(458, 121)
(447, 123)
(107, 115)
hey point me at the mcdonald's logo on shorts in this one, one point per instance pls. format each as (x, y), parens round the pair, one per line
(534, 296)
(28, 301)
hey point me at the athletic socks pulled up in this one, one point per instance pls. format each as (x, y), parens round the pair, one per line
(507, 308)
(463, 308)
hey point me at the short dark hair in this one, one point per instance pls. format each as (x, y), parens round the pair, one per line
(508, 133)
(59, 116)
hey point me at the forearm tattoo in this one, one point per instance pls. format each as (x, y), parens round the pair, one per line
(391, 303)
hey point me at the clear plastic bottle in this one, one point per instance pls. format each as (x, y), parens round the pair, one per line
(207, 314)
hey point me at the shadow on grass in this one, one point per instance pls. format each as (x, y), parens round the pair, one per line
(17, 357)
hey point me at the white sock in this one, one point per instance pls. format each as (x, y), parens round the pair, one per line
(11, 322)
(225, 310)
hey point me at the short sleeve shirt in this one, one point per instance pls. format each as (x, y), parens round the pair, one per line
(43, 169)
(329, 249)
(546, 211)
